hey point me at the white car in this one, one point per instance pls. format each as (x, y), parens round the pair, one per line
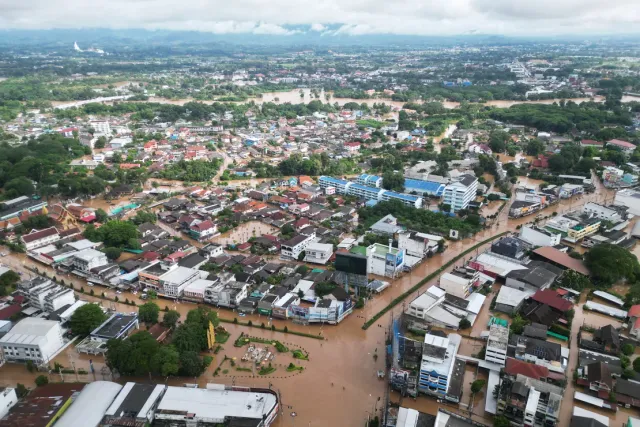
(118, 292)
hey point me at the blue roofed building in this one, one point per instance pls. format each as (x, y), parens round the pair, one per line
(366, 192)
(340, 185)
(429, 188)
(369, 180)
(407, 199)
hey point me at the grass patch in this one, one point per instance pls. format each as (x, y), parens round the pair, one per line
(266, 370)
(426, 280)
(299, 354)
(293, 368)
(243, 340)
(241, 369)
(222, 336)
(225, 371)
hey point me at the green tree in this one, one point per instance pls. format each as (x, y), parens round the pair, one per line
(21, 390)
(166, 361)
(86, 318)
(393, 181)
(477, 386)
(501, 421)
(464, 323)
(498, 141)
(101, 216)
(144, 216)
(518, 324)
(191, 364)
(42, 380)
(628, 349)
(132, 356)
(170, 318)
(572, 280)
(18, 187)
(636, 364)
(100, 143)
(534, 147)
(117, 233)
(152, 295)
(611, 263)
(149, 312)
(112, 253)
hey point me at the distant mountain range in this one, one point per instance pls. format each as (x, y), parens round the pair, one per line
(109, 38)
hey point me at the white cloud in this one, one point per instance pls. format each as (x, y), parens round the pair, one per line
(353, 17)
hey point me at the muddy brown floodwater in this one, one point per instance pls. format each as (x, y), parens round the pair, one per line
(339, 386)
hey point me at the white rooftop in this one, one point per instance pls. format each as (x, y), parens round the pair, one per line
(31, 330)
(88, 254)
(214, 404)
(320, 247)
(476, 300)
(81, 244)
(579, 412)
(511, 296)
(198, 285)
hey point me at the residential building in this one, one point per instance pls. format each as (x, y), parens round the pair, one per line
(226, 294)
(625, 146)
(8, 398)
(195, 290)
(387, 226)
(203, 230)
(282, 308)
(292, 248)
(534, 276)
(457, 285)
(510, 300)
(101, 127)
(417, 244)
(58, 298)
(530, 402)
(318, 253)
(537, 236)
(87, 259)
(34, 339)
(460, 193)
(497, 344)
(437, 366)
(384, 260)
(38, 238)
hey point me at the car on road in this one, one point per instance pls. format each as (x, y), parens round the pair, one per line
(241, 314)
(118, 292)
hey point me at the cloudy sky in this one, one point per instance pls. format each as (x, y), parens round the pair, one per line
(330, 17)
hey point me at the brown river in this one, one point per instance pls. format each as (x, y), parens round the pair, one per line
(339, 386)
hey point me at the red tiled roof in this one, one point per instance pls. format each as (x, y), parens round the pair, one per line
(591, 142)
(634, 311)
(531, 370)
(621, 143)
(7, 312)
(33, 236)
(552, 299)
(204, 225)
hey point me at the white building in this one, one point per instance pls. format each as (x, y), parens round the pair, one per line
(102, 127)
(418, 244)
(629, 198)
(460, 193)
(175, 281)
(196, 289)
(539, 236)
(59, 298)
(602, 212)
(34, 339)
(438, 361)
(292, 248)
(215, 405)
(318, 253)
(8, 398)
(87, 259)
(384, 260)
(456, 285)
(496, 351)
(37, 239)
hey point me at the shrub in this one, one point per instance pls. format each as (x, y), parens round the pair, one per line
(42, 380)
(628, 349)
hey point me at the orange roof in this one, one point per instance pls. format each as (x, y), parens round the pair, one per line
(634, 311)
(561, 258)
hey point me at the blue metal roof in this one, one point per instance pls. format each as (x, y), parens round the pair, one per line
(333, 180)
(426, 186)
(393, 194)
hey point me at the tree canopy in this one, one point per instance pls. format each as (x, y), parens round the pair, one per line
(611, 263)
(86, 318)
(149, 312)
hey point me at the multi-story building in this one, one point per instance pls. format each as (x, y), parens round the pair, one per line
(40, 238)
(34, 339)
(173, 282)
(59, 298)
(364, 191)
(226, 295)
(87, 259)
(458, 285)
(529, 402)
(101, 127)
(318, 253)
(341, 186)
(385, 260)
(460, 193)
(537, 236)
(603, 212)
(437, 365)
(418, 244)
(574, 227)
(292, 248)
(497, 343)
(407, 199)
(8, 398)
(369, 180)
